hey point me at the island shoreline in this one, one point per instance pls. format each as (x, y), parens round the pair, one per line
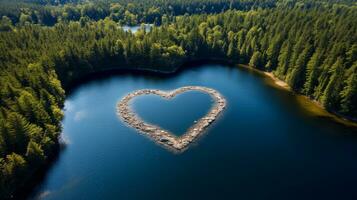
(191, 63)
(165, 138)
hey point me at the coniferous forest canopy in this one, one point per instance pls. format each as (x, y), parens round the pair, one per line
(47, 44)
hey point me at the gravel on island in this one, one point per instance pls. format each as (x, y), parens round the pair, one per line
(164, 137)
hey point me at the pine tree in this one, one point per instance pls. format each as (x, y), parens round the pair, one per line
(34, 153)
(349, 93)
(256, 60)
(273, 53)
(3, 147)
(34, 111)
(351, 55)
(296, 77)
(330, 98)
(232, 52)
(312, 72)
(13, 169)
(17, 133)
(283, 59)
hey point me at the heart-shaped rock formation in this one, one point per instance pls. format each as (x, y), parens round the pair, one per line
(164, 137)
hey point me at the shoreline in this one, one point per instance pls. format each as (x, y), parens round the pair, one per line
(280, 83)
(276, 82)
(312, 106)
(168, 140)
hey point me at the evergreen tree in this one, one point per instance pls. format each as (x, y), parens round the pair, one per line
(256, 60)
(35, 153)
(283, 59)
(312, 72)
(296, 78)
(331, 94)
(349, 93)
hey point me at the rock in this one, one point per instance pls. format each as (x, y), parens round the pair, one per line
(159, 135)
(163, 140)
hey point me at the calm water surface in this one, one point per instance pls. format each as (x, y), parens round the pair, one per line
(134, 29)
(265, 146)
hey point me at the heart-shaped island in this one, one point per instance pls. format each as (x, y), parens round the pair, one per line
(164, 137)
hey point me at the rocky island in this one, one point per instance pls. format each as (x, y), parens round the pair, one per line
(164, 137)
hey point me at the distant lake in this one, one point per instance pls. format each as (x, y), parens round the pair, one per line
(134, 29)
(266, 145)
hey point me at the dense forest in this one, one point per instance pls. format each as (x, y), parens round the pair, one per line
(46, 45)
(125, 12)
(131, 12)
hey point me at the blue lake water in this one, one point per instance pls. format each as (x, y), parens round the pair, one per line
(134, 29)
(182, 104)
(264, 146)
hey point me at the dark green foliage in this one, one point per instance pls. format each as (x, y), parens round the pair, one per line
(311, 45)
(256, 60)
(13, 169)
(312, 72)
(284, 59)
(296, 77)
(35, 154)
(124, 11)
(331, 96)
(349, 92)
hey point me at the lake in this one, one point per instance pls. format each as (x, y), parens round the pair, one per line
(265, 145)
(134, 29)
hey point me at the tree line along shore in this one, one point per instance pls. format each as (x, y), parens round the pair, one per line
(311, 45)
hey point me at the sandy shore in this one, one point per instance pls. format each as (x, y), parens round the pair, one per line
(164, 137)
(277, 81)
(312, 106)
